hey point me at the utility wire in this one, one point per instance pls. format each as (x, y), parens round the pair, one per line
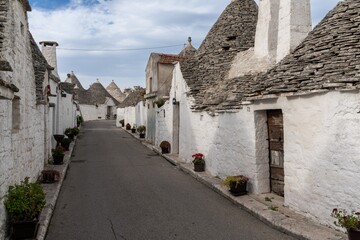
(117, 50)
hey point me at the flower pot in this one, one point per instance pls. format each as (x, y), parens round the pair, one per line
(65, 146)
(199, 167)
(133, 130)
(58, 159)
(24, 230)
(58, 138)
(353, 234)
(238, 189)
(50, 176)
(142, 135)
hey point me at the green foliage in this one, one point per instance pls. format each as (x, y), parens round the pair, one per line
(75, 131)
(160, 102)
(66, 141)
(236, 179)
(25, 201)
(79, 120)
(122, 122)
(141, 129)
(346, 220)
(198, 158)
(58, 151)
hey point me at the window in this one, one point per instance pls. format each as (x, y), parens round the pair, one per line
(16, 114)
(150, 85)
(22, 28)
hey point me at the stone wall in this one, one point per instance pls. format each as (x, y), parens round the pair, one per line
(23, 135)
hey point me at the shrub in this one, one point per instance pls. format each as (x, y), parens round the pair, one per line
(25, 201)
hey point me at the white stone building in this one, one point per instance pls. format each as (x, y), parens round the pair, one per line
(95, 103)
(26, 114)
(24, 75)
(291, 127)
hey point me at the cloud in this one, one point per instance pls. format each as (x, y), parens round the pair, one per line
(123, 24)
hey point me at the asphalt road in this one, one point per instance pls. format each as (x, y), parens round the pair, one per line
(117, 189)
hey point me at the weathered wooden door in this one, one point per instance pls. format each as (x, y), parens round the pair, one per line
(276, 150)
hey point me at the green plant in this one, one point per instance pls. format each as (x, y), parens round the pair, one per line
(58, 151)
(128, 126)
(75, 131)
(141, 129)
(79, 120)
(235, 179)
(159, 102)
(25, 201)
(345, 219)
(198, 158)
(274, 208)
(66, 141)
(122, 122)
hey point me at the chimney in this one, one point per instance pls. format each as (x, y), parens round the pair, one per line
(267, 29)
(48, 49)
(294, 25)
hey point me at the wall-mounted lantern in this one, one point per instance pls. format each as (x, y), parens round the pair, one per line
(174, 101)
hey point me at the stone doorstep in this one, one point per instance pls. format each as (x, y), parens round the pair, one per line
(52, 191)
(273, 213)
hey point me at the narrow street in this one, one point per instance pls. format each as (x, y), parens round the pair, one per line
(118, 189)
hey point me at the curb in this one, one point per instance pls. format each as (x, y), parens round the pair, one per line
(52, 192)
(275, 215)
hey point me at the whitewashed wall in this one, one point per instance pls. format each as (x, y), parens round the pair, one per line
(321, 149)
(129, 115)
(22, 152)
(67, 116)
(164, 124)
(91, 112)
(120, 114)
(140, 114)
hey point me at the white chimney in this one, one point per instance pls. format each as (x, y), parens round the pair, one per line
(48, 49)
(294, 25)
(267, 29)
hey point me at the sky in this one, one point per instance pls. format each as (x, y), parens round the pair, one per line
(112, 39)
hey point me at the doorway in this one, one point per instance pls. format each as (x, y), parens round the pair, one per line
(276, 150)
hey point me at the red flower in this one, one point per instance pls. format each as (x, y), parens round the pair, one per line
(198, 155)
(357, 213)
(335, 210)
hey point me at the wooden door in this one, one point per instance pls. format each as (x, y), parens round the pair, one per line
(276, 151)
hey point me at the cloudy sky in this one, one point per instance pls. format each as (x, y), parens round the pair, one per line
(112, 39)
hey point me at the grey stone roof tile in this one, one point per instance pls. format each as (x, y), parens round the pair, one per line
(232, 33)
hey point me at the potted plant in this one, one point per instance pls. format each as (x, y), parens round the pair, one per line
(350, 221)
(133, 129)
(58, 155)
(165, 147)
(122, 122)
(69, 133)
(75, 131)
(128, 126)
(49, 176)
(237, 185)
(199, 162)
(141, 129)
(159, 102)
(79, 120)
(58, 138)
(65, 143)
(24, 203)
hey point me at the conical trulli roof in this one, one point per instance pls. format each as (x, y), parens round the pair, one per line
(71, 78)
(232, 33)
(96, 94)
(115, 91)
(189, 50)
